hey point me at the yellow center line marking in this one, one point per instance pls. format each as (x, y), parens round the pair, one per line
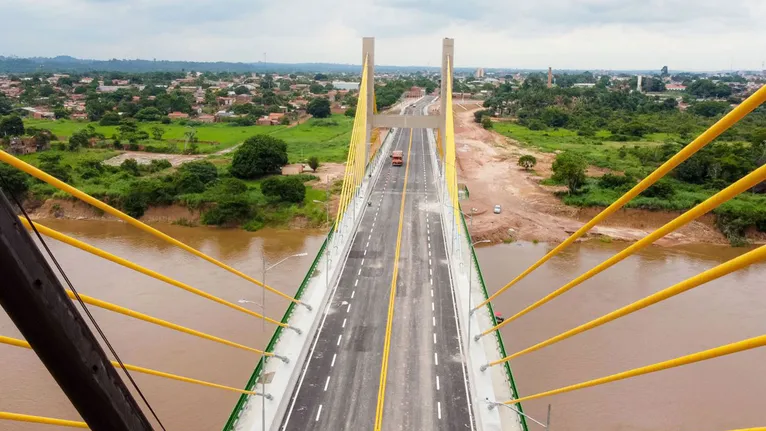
(392, 298)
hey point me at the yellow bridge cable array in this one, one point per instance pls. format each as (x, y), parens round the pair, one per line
(55, 182)
(725, 268)
(449, 144)
(355, 163)
(744, 184)
(748, 344)
(128, 264)
(42, 420)
(21, 343)
(744, 108)
(136, 315)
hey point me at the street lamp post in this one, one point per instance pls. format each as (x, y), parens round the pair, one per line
(263, 328)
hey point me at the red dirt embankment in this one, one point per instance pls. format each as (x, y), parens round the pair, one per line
(487, 165)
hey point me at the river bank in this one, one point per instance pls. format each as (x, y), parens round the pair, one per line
(487, 165)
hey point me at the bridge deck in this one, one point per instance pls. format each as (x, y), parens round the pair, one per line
(339, 386)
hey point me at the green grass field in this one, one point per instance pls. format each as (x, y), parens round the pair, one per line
(598, 150)
(224, 134)
(327, 139)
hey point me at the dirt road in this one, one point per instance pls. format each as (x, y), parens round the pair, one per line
(487, 165)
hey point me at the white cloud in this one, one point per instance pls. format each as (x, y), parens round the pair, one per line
(585, 34)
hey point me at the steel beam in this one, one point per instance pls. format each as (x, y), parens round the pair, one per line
(37, 303)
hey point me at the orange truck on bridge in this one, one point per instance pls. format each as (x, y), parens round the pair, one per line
(397, 158)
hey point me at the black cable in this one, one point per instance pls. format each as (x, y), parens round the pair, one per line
(82, 303)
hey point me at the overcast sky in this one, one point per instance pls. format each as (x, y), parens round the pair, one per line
(564, 34)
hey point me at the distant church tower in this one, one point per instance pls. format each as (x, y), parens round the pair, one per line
(550, 77)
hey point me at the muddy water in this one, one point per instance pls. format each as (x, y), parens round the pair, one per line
(26, 387)
(720, 394)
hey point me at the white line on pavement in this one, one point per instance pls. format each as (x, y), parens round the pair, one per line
(438, 408)
(327, 383)
(344, 324)
(341, 336)
(332, 364)
(436, 359)
(437, 382)
(432, 306)
(356, 282)
(353, 293)
(434, 337)
(349, 307)
(319, 412)
(433, 319)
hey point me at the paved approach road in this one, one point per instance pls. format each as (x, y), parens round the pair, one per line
(426, 386)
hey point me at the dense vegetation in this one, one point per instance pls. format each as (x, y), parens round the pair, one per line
(634, 133)
(201, 185)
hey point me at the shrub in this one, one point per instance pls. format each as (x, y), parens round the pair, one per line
(130, 166)
(287, 189)
(480, 114)
(110, 119)
(14, 180)
(569, 168)
(611, 181)
(486, 122)
(51, 164)
(165, 120)
(229, 210)
(350, 112)
(319, 107)
(205, 171)
(314, 163)
(661, 189)
(535, 124)
(187, 182)
(230, 186)
(527, 161)
(157, 165)
(78, 140)
(259, 155)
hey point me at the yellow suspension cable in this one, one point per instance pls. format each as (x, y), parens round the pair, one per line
(744, 108)
(135, 314)
(128, 264)
(750, 343)
(21, 343)
(744, 184)
(721, 270)
(42, 420)
(351, 173)
(55, 182)
(752, 429)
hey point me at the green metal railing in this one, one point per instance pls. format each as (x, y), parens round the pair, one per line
(275, 338)
(498, 337)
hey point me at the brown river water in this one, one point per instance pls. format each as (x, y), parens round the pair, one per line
(720, 394)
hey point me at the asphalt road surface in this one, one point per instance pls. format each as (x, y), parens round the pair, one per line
(426, 386)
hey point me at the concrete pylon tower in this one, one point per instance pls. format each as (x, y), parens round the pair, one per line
(448, 53)
(550, 77)
(368, 53)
